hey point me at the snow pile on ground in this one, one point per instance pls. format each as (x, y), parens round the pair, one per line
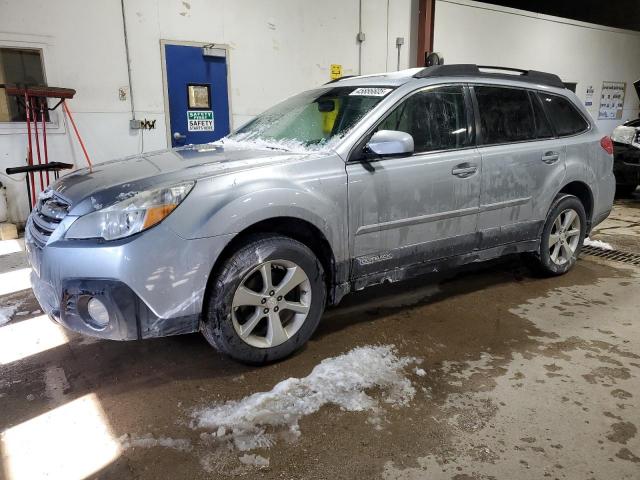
(597, 243)
(149, 441)
(6, 313)
(255, 460)
(254, 421)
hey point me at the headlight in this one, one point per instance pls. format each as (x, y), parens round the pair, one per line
(622, 134)
(133, 215)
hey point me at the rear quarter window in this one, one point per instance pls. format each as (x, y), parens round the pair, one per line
(566, 118)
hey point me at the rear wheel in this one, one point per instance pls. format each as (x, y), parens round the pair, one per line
(562, 236)
(266, 301)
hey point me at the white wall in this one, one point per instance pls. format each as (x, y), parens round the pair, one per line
(277, 48)
(475, 32)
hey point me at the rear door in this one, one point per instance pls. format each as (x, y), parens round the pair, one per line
(522, 164)
(410, 209)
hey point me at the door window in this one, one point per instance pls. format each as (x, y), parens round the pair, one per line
(565, 117)
(543, 128)
(199, 97)
(506, 115)
(436, 118)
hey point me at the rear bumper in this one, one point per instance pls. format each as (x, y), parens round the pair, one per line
(152, 285)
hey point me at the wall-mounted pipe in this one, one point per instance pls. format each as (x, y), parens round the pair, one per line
(360, 38)
(126, 48)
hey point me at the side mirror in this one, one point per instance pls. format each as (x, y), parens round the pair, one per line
(389, 143)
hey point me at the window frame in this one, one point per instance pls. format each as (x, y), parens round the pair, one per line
(576, 109)
(356, 154)
(44, 75)
(55, 125)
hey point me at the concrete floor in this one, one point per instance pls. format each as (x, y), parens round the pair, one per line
(526, 378)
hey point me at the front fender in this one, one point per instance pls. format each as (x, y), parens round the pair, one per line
(230, 204)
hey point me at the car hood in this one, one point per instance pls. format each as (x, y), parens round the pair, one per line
(106, 183)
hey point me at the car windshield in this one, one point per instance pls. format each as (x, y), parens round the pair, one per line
(313, 120)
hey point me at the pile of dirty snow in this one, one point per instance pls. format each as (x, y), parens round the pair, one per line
(254, 421)
(597, 243)
(149, 441)
(6, 313)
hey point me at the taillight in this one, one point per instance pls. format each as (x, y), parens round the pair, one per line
(607, 144)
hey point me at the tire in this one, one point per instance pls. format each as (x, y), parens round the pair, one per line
(557, 257)
(625, 191)
(243, 314)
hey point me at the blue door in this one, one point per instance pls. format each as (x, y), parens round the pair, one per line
(198, 94)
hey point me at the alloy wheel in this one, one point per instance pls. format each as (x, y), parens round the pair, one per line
(564, 237)
(271, 303)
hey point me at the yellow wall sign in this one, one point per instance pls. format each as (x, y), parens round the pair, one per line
(336, 71)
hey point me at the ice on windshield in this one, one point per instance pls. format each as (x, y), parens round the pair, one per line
(311, 121)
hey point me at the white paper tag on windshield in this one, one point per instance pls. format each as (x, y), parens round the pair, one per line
(371, 91)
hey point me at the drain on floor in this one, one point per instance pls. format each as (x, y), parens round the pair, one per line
(615, 255)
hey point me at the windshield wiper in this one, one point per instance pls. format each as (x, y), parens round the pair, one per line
(282, 149)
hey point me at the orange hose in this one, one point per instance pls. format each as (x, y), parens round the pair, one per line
(75, 129)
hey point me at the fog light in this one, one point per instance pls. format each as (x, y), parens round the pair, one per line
(98, 312)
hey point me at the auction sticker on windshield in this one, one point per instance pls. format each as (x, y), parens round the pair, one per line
(371, 91)
(200, 121)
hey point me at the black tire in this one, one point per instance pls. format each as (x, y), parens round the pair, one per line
(218, 325)
(543, 261)
(625, 191)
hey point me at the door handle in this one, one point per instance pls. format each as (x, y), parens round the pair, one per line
(464, 170)
(550, 157)
(178, 137)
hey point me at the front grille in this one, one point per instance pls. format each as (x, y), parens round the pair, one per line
(46, 217)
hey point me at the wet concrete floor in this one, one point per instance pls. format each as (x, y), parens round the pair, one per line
(526, 378)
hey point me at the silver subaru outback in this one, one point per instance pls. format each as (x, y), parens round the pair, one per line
(365, 180)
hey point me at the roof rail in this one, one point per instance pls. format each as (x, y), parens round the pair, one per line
(472, 70)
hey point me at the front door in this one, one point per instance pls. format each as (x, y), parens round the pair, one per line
(409, 210)
(198, 94)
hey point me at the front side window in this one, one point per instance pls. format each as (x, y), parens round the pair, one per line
(506, 115)
(313, 119)
(21, 67)
(565, 117)
(436, 118)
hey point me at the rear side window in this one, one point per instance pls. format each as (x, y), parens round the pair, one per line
(436, 118)
(566, 118)
(506, 115)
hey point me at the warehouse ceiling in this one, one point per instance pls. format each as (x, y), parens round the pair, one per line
(613, 13)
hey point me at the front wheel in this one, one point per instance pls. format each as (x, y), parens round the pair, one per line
(266, 300)
(562, 236)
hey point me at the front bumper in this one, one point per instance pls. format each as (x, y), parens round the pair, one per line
(626, 164)
(152, 284)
